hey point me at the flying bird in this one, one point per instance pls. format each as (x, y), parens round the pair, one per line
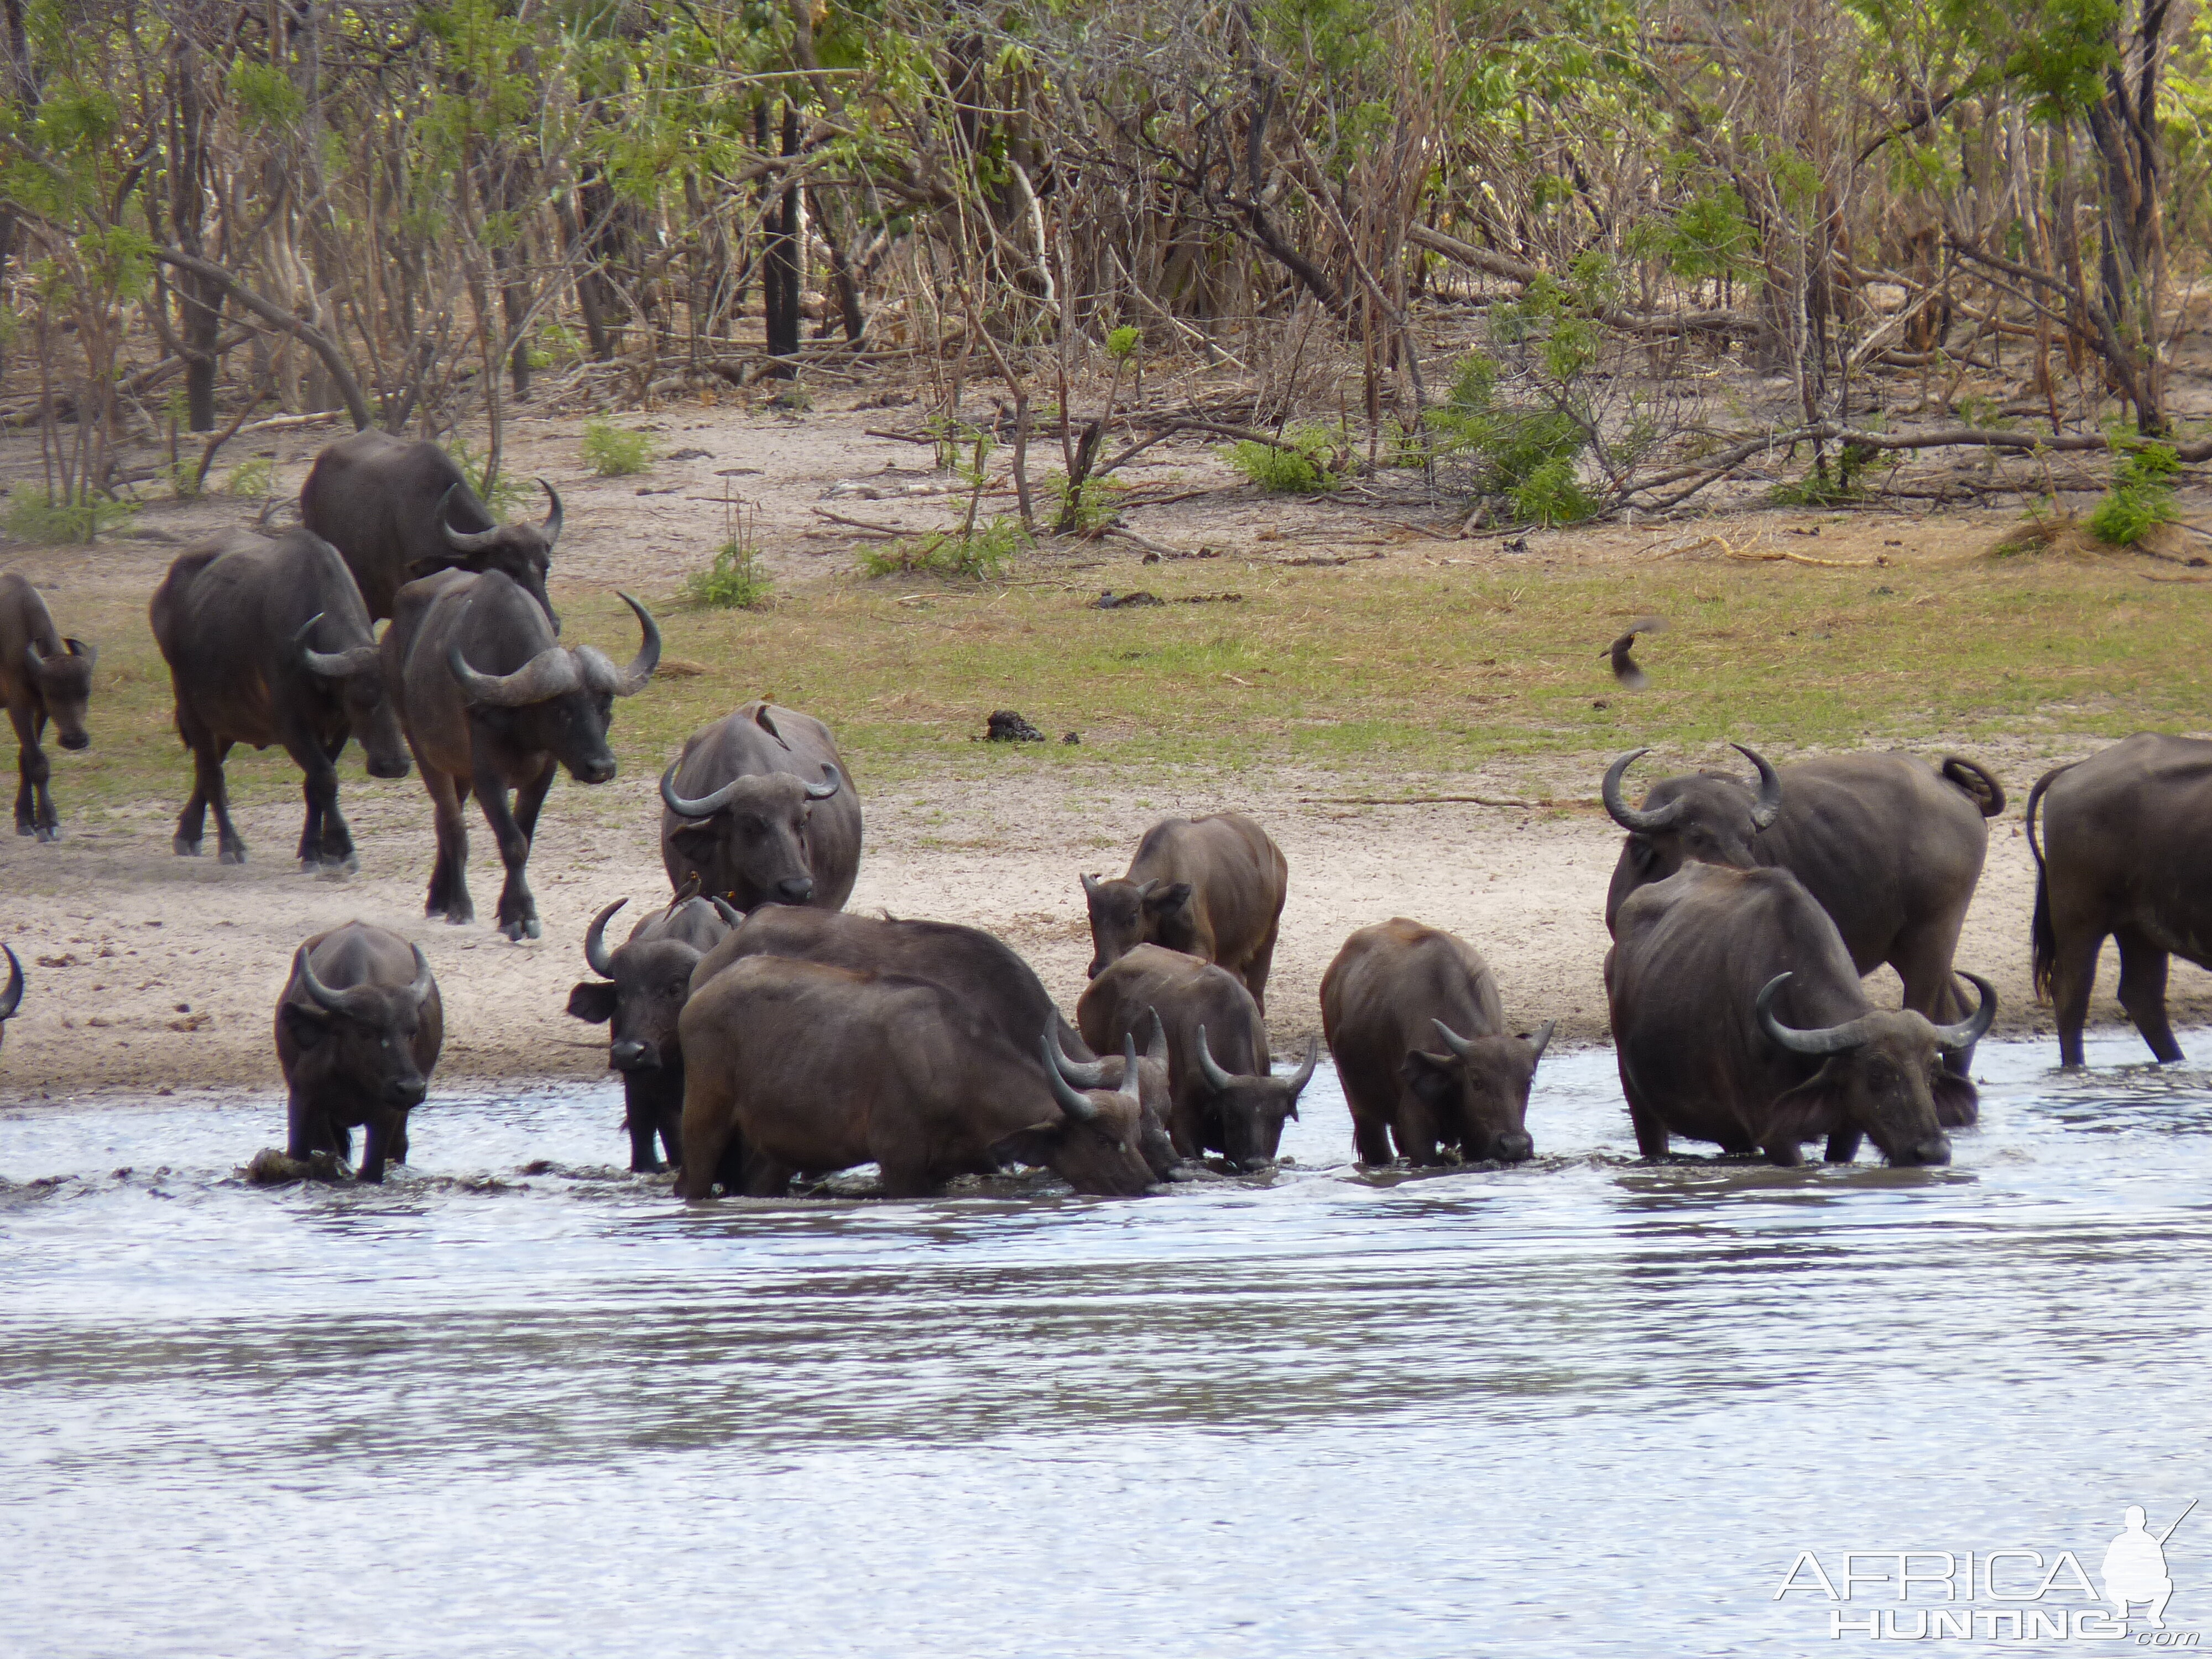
(1626, 668)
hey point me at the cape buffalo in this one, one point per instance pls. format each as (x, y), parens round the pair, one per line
(1210, 888)
(1740, 1019)
(1394, 994)
(358, 1032)
(2127, 839)
(1225, 1098)
(1155, 1093)
(651, 977)
(399, 510)
(268, 642)
(11, 997)
(42, 677)
(801, 1067)
(1890, 848)
(760, 808)
(492, 702)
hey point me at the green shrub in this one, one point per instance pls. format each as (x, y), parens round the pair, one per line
(252, 477)
(613, 453)
(1517, 451)
(1820, 488)
(985, 553)
(2140, 498)
(1095, 503)
(52, 524)
(737, 581)
(1313, 462)
(504, 496)
(1553, 494)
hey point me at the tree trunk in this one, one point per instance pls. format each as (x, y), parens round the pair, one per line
(780, 273)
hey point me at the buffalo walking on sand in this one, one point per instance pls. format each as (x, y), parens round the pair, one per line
(643, 987)
(1414, 1018)
(268, 642)
(358, 1030)
(491, 701)
(43, 676)
(399, 510)
(1225, 1097)
(760, 808)
(2125, 853)
(1889, 846)
(1211, 888)
(1739, 1018)
(799, 1067)
(11, 995)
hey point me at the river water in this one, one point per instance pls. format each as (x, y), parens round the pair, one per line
(516, 1401)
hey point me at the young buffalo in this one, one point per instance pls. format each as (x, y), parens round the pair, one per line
(358, 1032)
(1211, 888)
(1155, 1093)
(11, 998)
(795, 1068)
(1392, 992)
(43, 677)
(650, 981)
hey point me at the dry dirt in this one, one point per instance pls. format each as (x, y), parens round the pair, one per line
(150, 972)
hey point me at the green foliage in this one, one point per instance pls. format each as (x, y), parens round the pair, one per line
(1314, 461)
(1095, 503)
(1122, 344)
(613, 453)
(504, 495)
(982, 552)
(252, 477)
(266, 95)
(2140, 498)
(52, 524)
(1528, 453)
(737, 579)
(1820, 488)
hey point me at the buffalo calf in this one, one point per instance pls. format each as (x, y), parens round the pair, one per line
(1155, 1093)
(1414, 1021)
(358, 1032)
(43, 677)
(1211, 888)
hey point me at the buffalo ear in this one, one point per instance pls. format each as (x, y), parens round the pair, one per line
(1958, 1102)
(1642, 853)
(699, 843)
(1814, 1107)
(306, 1026)
(1173, 896)
(593, 1001)
(1429, 1076)
(1035, 1145)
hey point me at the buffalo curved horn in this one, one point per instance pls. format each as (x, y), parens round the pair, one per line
(462, 541)
(824, 790)
(1542, 1041)
(1633, 817)
(1081, 1074)
(78, 648)
(633, 678)
(1298, 1079)
(1132, 1090)
(1764, 810)
(706, 805)
(595, 941)
(551, 528)
(1080, 1108)
(1215, 1077)
(1091, 886)
(32, 656)
(331, 665)
(1827, 1040)
(1955, 1039)
(731, 915)
(12, 998)
(422, 985)
(335, 1002)
(545, 675)
(1157, 1049)
(1459, 1045)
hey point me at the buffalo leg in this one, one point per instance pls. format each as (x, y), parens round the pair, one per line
(209, 792)
(1785, 1155)
(1923, 960)
(1651, 1139)
(2073, 977)
(308, 1131)
(325, 843)
(2142, 993)
(1370, 1137)
(1416, 1132)
(641, 1116)
(31, 770)
(1260, 964)
(1843, 1145)
(449, 875)
(510, 827)
(709, 1131)
(375, 1151)
(758, 1175)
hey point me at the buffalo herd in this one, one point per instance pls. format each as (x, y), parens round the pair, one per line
(764, 1034)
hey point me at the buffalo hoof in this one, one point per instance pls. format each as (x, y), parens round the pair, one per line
(458, 916)
(186, 849)
(518, 928)
(234, 854)
(25, 826)
(50, 832)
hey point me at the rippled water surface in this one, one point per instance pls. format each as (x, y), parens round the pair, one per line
(519, 1401)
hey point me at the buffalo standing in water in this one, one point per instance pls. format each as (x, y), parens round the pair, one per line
(1211, 888)
(1889, 846)
(492, 702)
(358, 1032)
(11, 996)
(1225, 1097)
(760, 808)
(796, 1067)
(2126, 844)
(267, 642)
(43, 677)
(1740, 1019)
(398, 511)
(647, 981)
(1395, 993)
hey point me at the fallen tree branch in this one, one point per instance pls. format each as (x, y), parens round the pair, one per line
(889, 530)
(276, 317)
(1444, 800)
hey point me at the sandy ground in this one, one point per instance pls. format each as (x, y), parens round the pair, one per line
(148, 971)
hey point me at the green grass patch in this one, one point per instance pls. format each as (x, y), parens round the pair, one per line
(2140, 498)
(737, 579)
(614, 452)
(55, 524)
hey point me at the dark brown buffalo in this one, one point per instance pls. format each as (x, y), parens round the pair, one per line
(492, 702)
(1889, 846)
(358, 1032)
(799, 1067)
(1414, 1018)
(1155, 1093)
(399, 510)
(11, 997)
(1211, 888)
(1225, 1098)
(268, 642)
(43, 677)
(2125, 852)
(649, 980)
(1739, 1018)
(760, 809)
